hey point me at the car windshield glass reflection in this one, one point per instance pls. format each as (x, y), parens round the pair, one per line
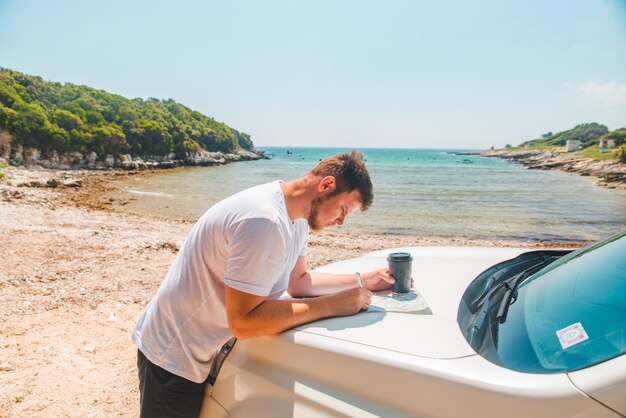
(569, 316)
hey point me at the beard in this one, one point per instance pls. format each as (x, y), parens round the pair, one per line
(312, 218)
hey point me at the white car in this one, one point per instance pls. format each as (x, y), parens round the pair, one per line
(500, 337)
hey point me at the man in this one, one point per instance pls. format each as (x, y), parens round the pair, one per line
(236, 262)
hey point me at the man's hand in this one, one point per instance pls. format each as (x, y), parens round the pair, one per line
(350, 301)
(303, 283)
(254, 316)
(377, 280)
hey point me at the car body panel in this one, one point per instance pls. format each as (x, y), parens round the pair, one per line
(303, 375)
(211, 408)
(435, 334)
(398, 332)
(389, 364)
(605, 382)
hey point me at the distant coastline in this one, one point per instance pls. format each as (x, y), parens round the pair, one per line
(17, 155)
(609, 173)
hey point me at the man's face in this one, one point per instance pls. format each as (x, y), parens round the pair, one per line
(329, 211)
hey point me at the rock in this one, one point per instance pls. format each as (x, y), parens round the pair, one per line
(32, 183)
(54, 159)
(204, 158)
(89, 349)
(6, 367)
(109, 161)
(73, 183)
(32, 155)
(112, 318)
(18, 156)
(91, 158)
(167, 164)
(52, 183)
(74, 159)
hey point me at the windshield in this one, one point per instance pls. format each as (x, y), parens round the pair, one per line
(566, 317)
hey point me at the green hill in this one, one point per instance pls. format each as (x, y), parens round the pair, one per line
(51, 116)
(586, 133)
(589, 134)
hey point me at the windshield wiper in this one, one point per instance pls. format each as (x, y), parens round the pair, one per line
(488, 281)
(476, 330)
(510, 295)
(487, 290)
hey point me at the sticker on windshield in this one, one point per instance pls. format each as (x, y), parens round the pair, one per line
(572, 335)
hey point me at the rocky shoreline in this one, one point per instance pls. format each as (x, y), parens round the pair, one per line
(17, 155)
(609, 173)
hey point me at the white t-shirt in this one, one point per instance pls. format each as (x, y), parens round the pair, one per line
(247, 242)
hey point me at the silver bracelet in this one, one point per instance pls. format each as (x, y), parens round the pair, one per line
(359, 279)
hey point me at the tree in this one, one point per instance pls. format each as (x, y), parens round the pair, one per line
(67, 120)
(621, 154)
(618, 135)
(29, 124)
(108, 140)
(244, 140)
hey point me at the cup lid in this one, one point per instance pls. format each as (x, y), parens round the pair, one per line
(400, 256)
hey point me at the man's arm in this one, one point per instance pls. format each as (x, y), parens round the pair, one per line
(303, 283)
(253, 316)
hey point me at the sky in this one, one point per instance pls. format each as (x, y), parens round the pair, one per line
(345, 73)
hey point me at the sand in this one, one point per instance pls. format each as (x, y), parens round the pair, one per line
(74, 277)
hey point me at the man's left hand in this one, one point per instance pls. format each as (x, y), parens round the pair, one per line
(377, 280)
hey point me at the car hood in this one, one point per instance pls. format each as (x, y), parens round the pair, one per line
(441, 275)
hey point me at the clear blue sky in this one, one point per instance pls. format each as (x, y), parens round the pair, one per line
(414, 74)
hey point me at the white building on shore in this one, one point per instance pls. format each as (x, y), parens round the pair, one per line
(606, 144)
(572, 145)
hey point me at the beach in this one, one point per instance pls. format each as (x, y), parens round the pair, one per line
(77, 273)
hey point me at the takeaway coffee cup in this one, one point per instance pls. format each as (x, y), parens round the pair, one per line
(400, 269)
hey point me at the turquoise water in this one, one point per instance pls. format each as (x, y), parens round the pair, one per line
(417, 191)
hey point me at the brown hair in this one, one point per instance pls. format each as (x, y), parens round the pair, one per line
(350, 174)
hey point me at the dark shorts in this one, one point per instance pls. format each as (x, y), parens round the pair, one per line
(164, 394)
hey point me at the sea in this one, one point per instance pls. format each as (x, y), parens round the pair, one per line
(419, 192)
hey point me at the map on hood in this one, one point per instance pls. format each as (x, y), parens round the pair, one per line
(388, 301)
